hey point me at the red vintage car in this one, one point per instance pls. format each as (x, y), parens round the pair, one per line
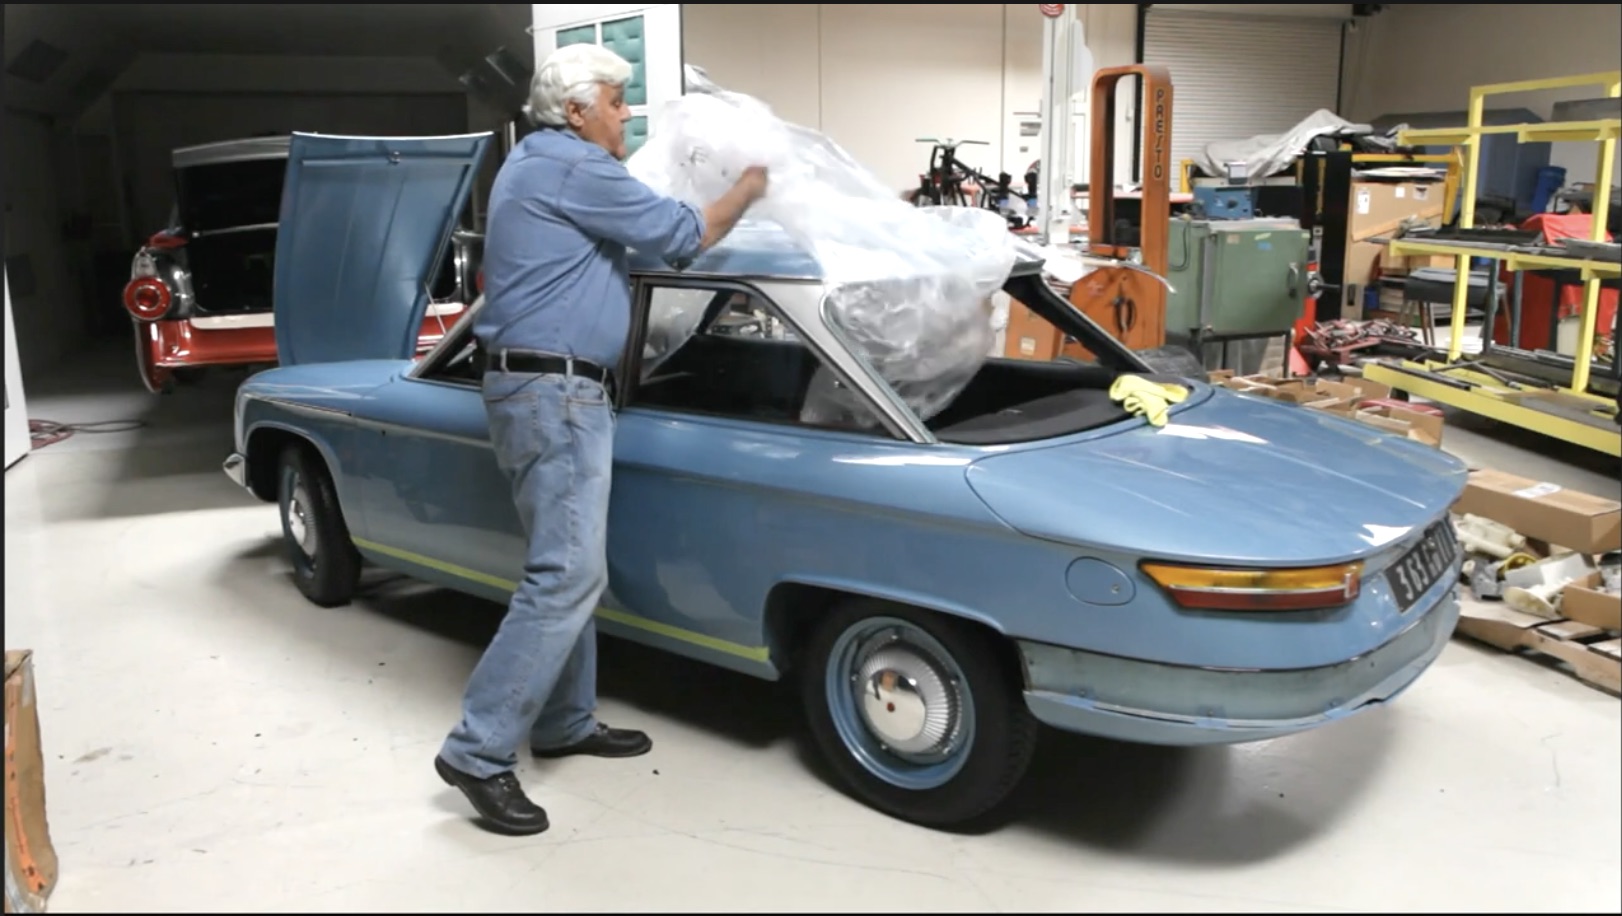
(199, 292)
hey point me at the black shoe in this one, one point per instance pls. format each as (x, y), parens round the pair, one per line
(604, 742)
(500, 800)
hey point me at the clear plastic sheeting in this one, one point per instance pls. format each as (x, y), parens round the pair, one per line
(909, 289)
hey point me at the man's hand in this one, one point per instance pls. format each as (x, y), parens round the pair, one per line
(754, 182)
(721, 216)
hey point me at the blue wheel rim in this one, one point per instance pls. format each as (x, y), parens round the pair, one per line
(880, 663)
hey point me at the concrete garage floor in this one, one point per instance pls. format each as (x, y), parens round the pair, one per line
(214, 742)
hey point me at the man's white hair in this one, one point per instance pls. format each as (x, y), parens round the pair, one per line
(572, 72)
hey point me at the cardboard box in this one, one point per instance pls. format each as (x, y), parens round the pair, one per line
(1379, 207)
(1415, 262)
(1299, 391)
(1332, 397)
(1364, 261)
(31, 865)
(1583, 602)
(1544, 511)
(1029, 336)
(1248, 385)
(1428, 423)
(1421, 427)
(1367, 390)
(1392, 266)
(1318, 394)
(1496, 624)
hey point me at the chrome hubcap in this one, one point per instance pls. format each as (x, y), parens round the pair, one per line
(900, 703)
(906, 703)
(298, 520)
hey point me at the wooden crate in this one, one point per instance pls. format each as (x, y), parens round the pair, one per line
(1593, 655)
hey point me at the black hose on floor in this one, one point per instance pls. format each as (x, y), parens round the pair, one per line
(49, 432)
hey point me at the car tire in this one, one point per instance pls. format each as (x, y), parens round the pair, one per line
(326, 565)
(949, 747)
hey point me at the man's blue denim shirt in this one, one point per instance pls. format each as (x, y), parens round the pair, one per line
(562, 213)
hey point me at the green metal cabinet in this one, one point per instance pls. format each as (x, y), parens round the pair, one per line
(1235, 279)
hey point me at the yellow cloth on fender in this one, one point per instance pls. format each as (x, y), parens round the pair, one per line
(1143, 398)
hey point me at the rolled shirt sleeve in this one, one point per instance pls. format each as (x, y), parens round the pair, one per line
(602, 197)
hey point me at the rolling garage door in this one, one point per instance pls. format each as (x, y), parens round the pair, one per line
(1238, 75)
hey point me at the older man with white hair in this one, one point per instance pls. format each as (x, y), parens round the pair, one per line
(562, 214)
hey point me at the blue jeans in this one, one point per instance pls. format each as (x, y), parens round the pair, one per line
(554, 439)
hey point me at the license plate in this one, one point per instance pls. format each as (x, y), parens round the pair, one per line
(1417, 570)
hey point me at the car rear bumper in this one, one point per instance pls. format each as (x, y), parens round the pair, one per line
(236, 468)
(163, 346)
(1155, 703)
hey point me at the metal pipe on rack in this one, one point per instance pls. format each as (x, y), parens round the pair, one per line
(1598, 215)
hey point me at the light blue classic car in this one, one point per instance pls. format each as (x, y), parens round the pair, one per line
(1032, 554)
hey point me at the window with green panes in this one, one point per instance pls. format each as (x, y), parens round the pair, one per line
(625, 37)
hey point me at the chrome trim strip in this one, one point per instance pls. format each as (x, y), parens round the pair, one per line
(453, 338)
(227, 151)
(301, 407)
(883, 393)
(254, 227)
(671, 273)
(386, 428)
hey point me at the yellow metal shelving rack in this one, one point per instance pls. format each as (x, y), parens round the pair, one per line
(1578, 416)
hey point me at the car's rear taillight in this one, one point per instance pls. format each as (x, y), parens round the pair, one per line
(1199, 588)
(147, 298)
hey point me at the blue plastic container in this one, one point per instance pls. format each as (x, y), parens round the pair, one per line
(1550, 178)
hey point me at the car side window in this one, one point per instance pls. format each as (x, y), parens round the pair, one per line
(727, 351)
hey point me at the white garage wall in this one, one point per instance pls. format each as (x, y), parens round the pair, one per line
(876, 77)
(1417, 57)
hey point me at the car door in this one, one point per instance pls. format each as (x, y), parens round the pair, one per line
(710, 453)
(435, 497)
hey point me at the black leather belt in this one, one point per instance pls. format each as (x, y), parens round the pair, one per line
(544, 364)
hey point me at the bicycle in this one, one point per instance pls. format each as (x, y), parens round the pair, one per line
(943, 184)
